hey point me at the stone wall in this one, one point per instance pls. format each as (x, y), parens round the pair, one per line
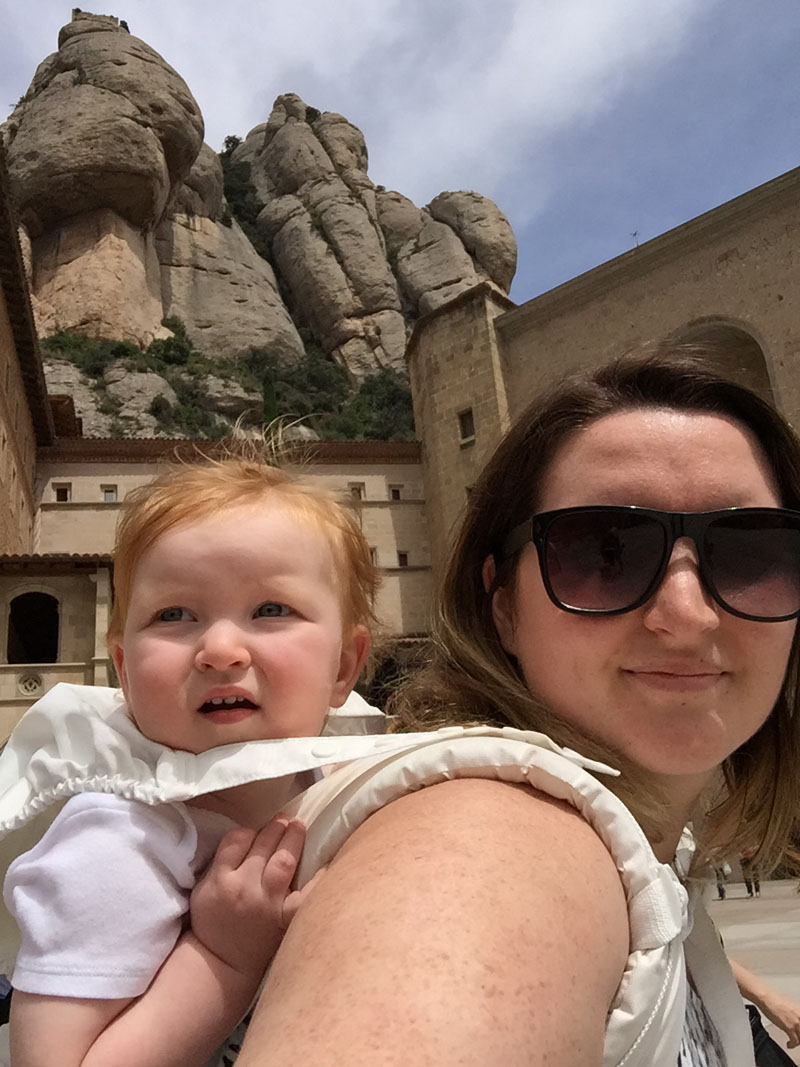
(17, 448)
(81, 655)
(86, 521)
(457, 384)
(391, 511)
(735, 267)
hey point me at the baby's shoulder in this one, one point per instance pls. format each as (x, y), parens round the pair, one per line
(124, 823)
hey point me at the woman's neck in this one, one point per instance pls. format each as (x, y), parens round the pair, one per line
(683, 796)
(254, 803)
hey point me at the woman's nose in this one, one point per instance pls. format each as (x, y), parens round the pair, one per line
(222, 646)
(682, 605)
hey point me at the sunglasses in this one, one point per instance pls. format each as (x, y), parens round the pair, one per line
(610, 560)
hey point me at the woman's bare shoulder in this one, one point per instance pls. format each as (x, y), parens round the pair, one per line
(478, 826)
(483, 911)
(512, 816)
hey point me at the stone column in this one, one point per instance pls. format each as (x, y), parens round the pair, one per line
(101, 663)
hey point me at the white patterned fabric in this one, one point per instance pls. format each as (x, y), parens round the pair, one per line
(700, 1045)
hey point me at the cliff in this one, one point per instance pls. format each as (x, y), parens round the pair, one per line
(127, 224)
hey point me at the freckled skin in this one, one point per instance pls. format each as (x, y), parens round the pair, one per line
(434, 900)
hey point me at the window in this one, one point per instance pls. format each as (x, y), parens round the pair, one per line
(395, 492)
(373, 555)
(402, 559)
(33, 629)
(466, 425)
(356, 490)
(109, 494)
(63, 491)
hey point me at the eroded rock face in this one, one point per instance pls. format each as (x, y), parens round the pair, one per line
(125, 221)
(202, 193)
(361, 264)
(431, 263)
(98, 274)
(485, 233)
(224, 292)
(134, 393)
(98, 151)
(232, 400)
(106, 123)
(310, 173)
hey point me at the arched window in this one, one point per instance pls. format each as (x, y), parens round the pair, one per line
(33, 629)
(738, 354)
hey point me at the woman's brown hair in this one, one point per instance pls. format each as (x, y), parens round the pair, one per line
(473, 679)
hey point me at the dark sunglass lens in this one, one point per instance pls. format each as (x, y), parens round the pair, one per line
(753, 561)
(603, 560)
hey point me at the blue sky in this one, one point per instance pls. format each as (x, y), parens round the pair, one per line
(585, 120)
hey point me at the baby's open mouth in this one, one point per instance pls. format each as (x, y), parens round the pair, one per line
(226, 703)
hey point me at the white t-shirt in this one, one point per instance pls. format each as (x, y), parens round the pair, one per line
(100, 900)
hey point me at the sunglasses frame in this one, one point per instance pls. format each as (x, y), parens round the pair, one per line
(676, 524)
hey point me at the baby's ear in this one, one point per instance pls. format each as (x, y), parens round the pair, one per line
(355, 649)
(118, 656)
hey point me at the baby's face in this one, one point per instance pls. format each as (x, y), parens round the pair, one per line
(234, 632)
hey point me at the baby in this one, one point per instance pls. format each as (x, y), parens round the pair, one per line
(243, 600)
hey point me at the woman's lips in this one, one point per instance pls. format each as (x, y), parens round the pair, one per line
(691, 680)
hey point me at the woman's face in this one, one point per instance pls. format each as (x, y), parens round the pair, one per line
(678, 684)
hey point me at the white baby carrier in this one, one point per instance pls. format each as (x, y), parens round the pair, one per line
(80, 739)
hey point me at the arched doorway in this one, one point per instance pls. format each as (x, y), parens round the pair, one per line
(733, 351)
(33, 629)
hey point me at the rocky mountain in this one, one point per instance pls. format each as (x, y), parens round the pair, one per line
(126, 224)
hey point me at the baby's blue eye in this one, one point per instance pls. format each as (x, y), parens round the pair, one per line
(173, 615)
(271, 610)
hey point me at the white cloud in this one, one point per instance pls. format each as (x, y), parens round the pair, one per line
(556, 66)
(449, 93)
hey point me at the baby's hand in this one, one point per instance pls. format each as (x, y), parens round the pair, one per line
(242, 905)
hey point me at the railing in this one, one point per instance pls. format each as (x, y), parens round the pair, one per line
(21, 684)
(25, 682)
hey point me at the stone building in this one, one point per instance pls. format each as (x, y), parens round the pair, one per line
(729, 277)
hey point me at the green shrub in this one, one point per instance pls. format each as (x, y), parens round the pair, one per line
(177, 325)
(161, 409)
(92, 357)
(314, 388)
(171, 351)
(319, 391)
(229, 145)
(240, 196)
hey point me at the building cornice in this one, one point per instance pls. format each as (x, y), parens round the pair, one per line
(636, 263)
(54, 563)
(18, 302)
(150, 450)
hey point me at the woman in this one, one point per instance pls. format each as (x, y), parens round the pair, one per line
(479, 922)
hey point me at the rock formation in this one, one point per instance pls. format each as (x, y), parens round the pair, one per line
(127, 222)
